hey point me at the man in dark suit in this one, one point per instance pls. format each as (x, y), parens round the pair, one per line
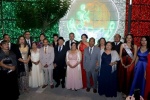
(116, 45)
(71, 39)
(60, 63)
(28, 38)
(12, 47)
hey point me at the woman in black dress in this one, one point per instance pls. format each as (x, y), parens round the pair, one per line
(8, 77)
(107, 79)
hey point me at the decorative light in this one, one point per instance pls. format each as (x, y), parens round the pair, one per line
(8, 23)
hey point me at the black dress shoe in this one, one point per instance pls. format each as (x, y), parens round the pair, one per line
(63, 86)
(44, 86)
(88, 89)
(94, 90)
(57, 85)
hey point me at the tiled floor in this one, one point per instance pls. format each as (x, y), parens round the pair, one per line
(64, 94)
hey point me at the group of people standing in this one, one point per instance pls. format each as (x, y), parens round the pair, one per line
(115, 66)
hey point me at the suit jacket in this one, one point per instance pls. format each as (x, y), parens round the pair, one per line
(90, 60)
(60, 57)
(116, 47)
(47, 58)
(13, 47)
(67, 44)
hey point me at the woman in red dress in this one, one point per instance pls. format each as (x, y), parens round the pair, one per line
(147, 88)
(128, 53)
(83, 44)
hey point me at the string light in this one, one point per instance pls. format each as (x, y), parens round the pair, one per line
(8, 24)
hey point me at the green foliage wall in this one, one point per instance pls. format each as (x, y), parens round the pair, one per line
(8, 24)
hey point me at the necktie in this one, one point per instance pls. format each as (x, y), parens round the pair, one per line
(28, 42)
(59, 48)
(45, 50)
(116, 43)
(90, 50)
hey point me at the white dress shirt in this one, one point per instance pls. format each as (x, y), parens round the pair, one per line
(91, 50)
(28, 41)
(116, 43)
(60, 47)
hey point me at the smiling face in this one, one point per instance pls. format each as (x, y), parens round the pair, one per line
(45, 43)
(143, 41)
(73, 46)
(21, 40)
(91, 42)
(108, 46)
(27, 35)
(42, 37)
(60, 42)
(84, 39)
(102, 42)
(7, 38)
(117, 38)
(129, 39)
(55, 38)
(71, 36)
(34, 46)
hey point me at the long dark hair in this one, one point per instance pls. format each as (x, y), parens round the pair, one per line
(132, 42)
(43, 35)
(25, 43)
(100, 40)
(84, 35)
(148, 41)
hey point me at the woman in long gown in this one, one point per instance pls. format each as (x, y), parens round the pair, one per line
(36, 77)
(101, 45)
(83, 44)
(107, 79)
(140, 68)
(73, 60)
(128, 53)
(147, 75)
(23, 56)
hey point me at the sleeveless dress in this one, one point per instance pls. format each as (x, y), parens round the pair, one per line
(147, 87)
(74, 78)
(126, 74)
(24, 80)
(139, 72)
(81, 48)
(107, 81)
(36, 78)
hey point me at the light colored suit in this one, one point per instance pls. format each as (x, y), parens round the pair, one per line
(47, 58)
(89, 64)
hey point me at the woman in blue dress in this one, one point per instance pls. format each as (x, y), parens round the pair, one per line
(140, 67)
(107, 79)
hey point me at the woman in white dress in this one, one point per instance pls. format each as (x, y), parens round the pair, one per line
(36, 77)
